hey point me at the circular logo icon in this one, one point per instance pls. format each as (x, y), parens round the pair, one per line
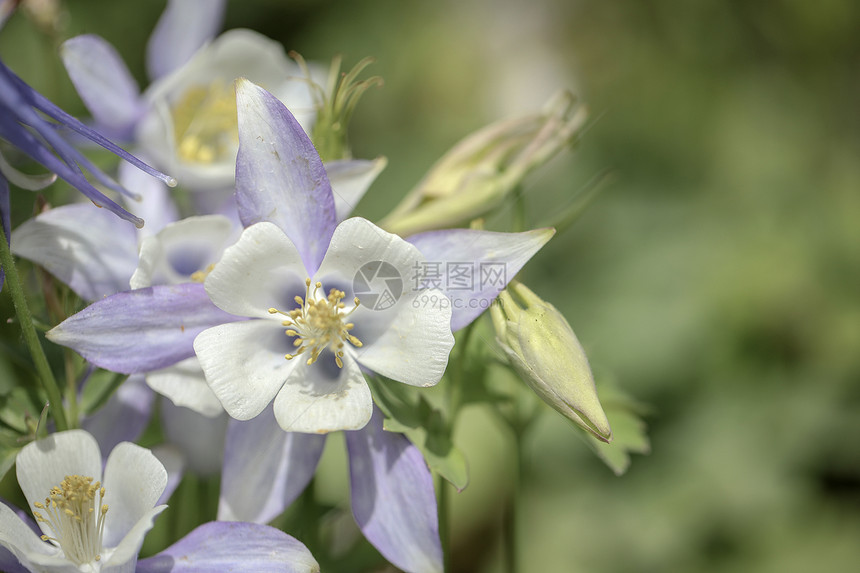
(377, 285)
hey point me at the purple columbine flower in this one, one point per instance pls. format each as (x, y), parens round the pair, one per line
(286, 203)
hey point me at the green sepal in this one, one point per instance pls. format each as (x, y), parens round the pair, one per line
(629, 435)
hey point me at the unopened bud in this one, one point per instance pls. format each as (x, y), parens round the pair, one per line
(546, 354)
(478, 173)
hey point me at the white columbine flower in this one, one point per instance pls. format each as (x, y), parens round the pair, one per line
(90, 521)
(95, 524)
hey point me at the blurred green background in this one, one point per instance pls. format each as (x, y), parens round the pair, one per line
(715, 279)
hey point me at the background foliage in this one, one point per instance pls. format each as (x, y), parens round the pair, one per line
(716, 278)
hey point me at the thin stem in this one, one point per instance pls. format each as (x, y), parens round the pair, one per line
(444, 521)
(25, 318)
(513, 512)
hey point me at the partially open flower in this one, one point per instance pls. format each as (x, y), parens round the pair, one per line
(545, 352)
(481, 170)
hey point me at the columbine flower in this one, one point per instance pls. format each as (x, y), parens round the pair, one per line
(94, 524)
(290, 273)
(90, 522)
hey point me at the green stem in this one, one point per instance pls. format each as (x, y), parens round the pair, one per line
(43, 369)
(444, 521)
(513, 512)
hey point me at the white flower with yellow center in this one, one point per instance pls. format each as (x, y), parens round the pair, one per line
(89, 523)
(310, 335)
(191, 125)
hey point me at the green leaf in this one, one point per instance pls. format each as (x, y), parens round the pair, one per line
(412, 415)
(16, 406)
(628, 429)
(98, 389)
(7, 460)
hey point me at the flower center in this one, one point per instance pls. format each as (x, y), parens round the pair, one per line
(76, 518)
(319, 322)
(205, 124)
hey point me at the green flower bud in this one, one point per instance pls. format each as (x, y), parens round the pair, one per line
(478, 173)
(546, 354)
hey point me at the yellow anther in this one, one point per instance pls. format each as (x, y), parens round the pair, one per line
(319, 323)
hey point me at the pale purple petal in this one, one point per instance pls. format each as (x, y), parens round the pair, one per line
(140, 330)
(320, 397)
(279, 175)
(184, 27)
(265, 468)
(134, 479)
(350, 179)
(393, 499)
(218, 546)
(200, 438)
(125, 415)
(90, 250)
(103, 82)
(244, 364)
(476, 265)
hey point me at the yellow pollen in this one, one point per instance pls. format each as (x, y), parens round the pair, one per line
(205, 124)
(200, 276)
(70, 512)
(318, 323)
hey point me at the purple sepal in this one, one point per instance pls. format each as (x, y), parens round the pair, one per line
(124, 417)
(265, 468)
(184, 27)
(484, 262)
(393, 499)
(221, 546)
(141, 330)
(279, 175)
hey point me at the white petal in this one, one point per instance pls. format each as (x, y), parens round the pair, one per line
(43, 464)
(185, 384)
(244, 364)
(321, 397)
(134, 480)
(414, 348)
(262, 270)
(350, 180)
(128, 548)
(235, 53)
(20, 540)
(357, 242)
(182, 249)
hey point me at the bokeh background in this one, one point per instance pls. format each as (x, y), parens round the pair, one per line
(716, 278)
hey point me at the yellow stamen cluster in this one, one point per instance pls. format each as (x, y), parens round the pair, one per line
(76, 517)
(205, 124)
(319, 322)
